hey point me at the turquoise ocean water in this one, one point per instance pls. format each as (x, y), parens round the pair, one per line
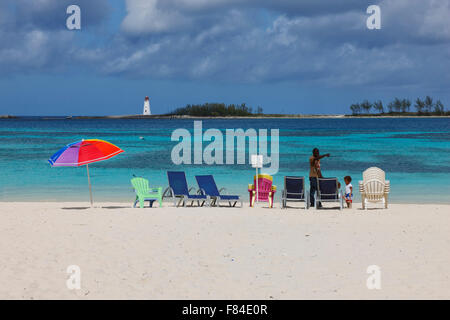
(415, 153)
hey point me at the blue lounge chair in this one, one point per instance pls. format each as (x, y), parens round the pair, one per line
(294, 191)
(208, 187)
(328, 191)
(178, 189)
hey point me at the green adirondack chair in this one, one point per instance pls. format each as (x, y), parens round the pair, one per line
(145, 193)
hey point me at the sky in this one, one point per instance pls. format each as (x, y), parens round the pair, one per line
(287, 56)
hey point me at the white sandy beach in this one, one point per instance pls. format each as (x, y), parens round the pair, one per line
(223, 253)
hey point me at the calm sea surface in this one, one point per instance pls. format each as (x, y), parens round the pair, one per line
(415, 153)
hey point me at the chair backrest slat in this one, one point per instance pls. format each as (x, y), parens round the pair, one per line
(178, 183)
(374, 183)
(264, 186)
(294, 185)
(374, 172)
(328, 186)
(140, 185)
(208, 184)
(374, 189)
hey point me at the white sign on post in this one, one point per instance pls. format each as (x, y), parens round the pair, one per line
(257, 161)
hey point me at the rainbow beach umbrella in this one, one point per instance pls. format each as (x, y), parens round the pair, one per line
(82, 153)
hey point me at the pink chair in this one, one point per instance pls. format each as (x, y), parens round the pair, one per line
(266, 190)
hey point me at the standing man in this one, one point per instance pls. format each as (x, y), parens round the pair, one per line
(314, 173)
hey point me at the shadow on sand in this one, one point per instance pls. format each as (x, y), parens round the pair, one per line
(105, 207)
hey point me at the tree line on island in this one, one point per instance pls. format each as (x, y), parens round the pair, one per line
(400, 107)
(404, 107)
(217, 110)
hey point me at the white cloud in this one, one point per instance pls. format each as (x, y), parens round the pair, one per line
(149, 17)
(122, 64)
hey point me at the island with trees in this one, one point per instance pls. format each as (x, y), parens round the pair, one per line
(396, 108)
(218, 110)
(400, 107)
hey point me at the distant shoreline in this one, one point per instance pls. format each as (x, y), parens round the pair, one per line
(269, 116)
(342, 116)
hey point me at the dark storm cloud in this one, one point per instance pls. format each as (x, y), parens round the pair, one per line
(51, 14)
(317, 42)
(34, 37)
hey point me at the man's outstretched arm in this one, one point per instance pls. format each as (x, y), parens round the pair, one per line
(323, 156)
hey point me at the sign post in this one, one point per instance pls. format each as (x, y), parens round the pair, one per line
(257, 163)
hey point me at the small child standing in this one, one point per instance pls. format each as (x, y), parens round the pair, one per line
(348, 191)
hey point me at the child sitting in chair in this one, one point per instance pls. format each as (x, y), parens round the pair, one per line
(348, 191)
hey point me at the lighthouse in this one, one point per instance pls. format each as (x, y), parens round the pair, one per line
(147, 111)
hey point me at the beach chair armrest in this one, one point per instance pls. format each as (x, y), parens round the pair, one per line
(200, 191)
(222, 190)
(190, 189)
(361, 186)
(168, 192)
(387, 186)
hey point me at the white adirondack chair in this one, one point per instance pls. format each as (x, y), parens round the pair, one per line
(374, 187)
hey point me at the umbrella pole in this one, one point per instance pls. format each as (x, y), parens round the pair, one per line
(90, 187)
